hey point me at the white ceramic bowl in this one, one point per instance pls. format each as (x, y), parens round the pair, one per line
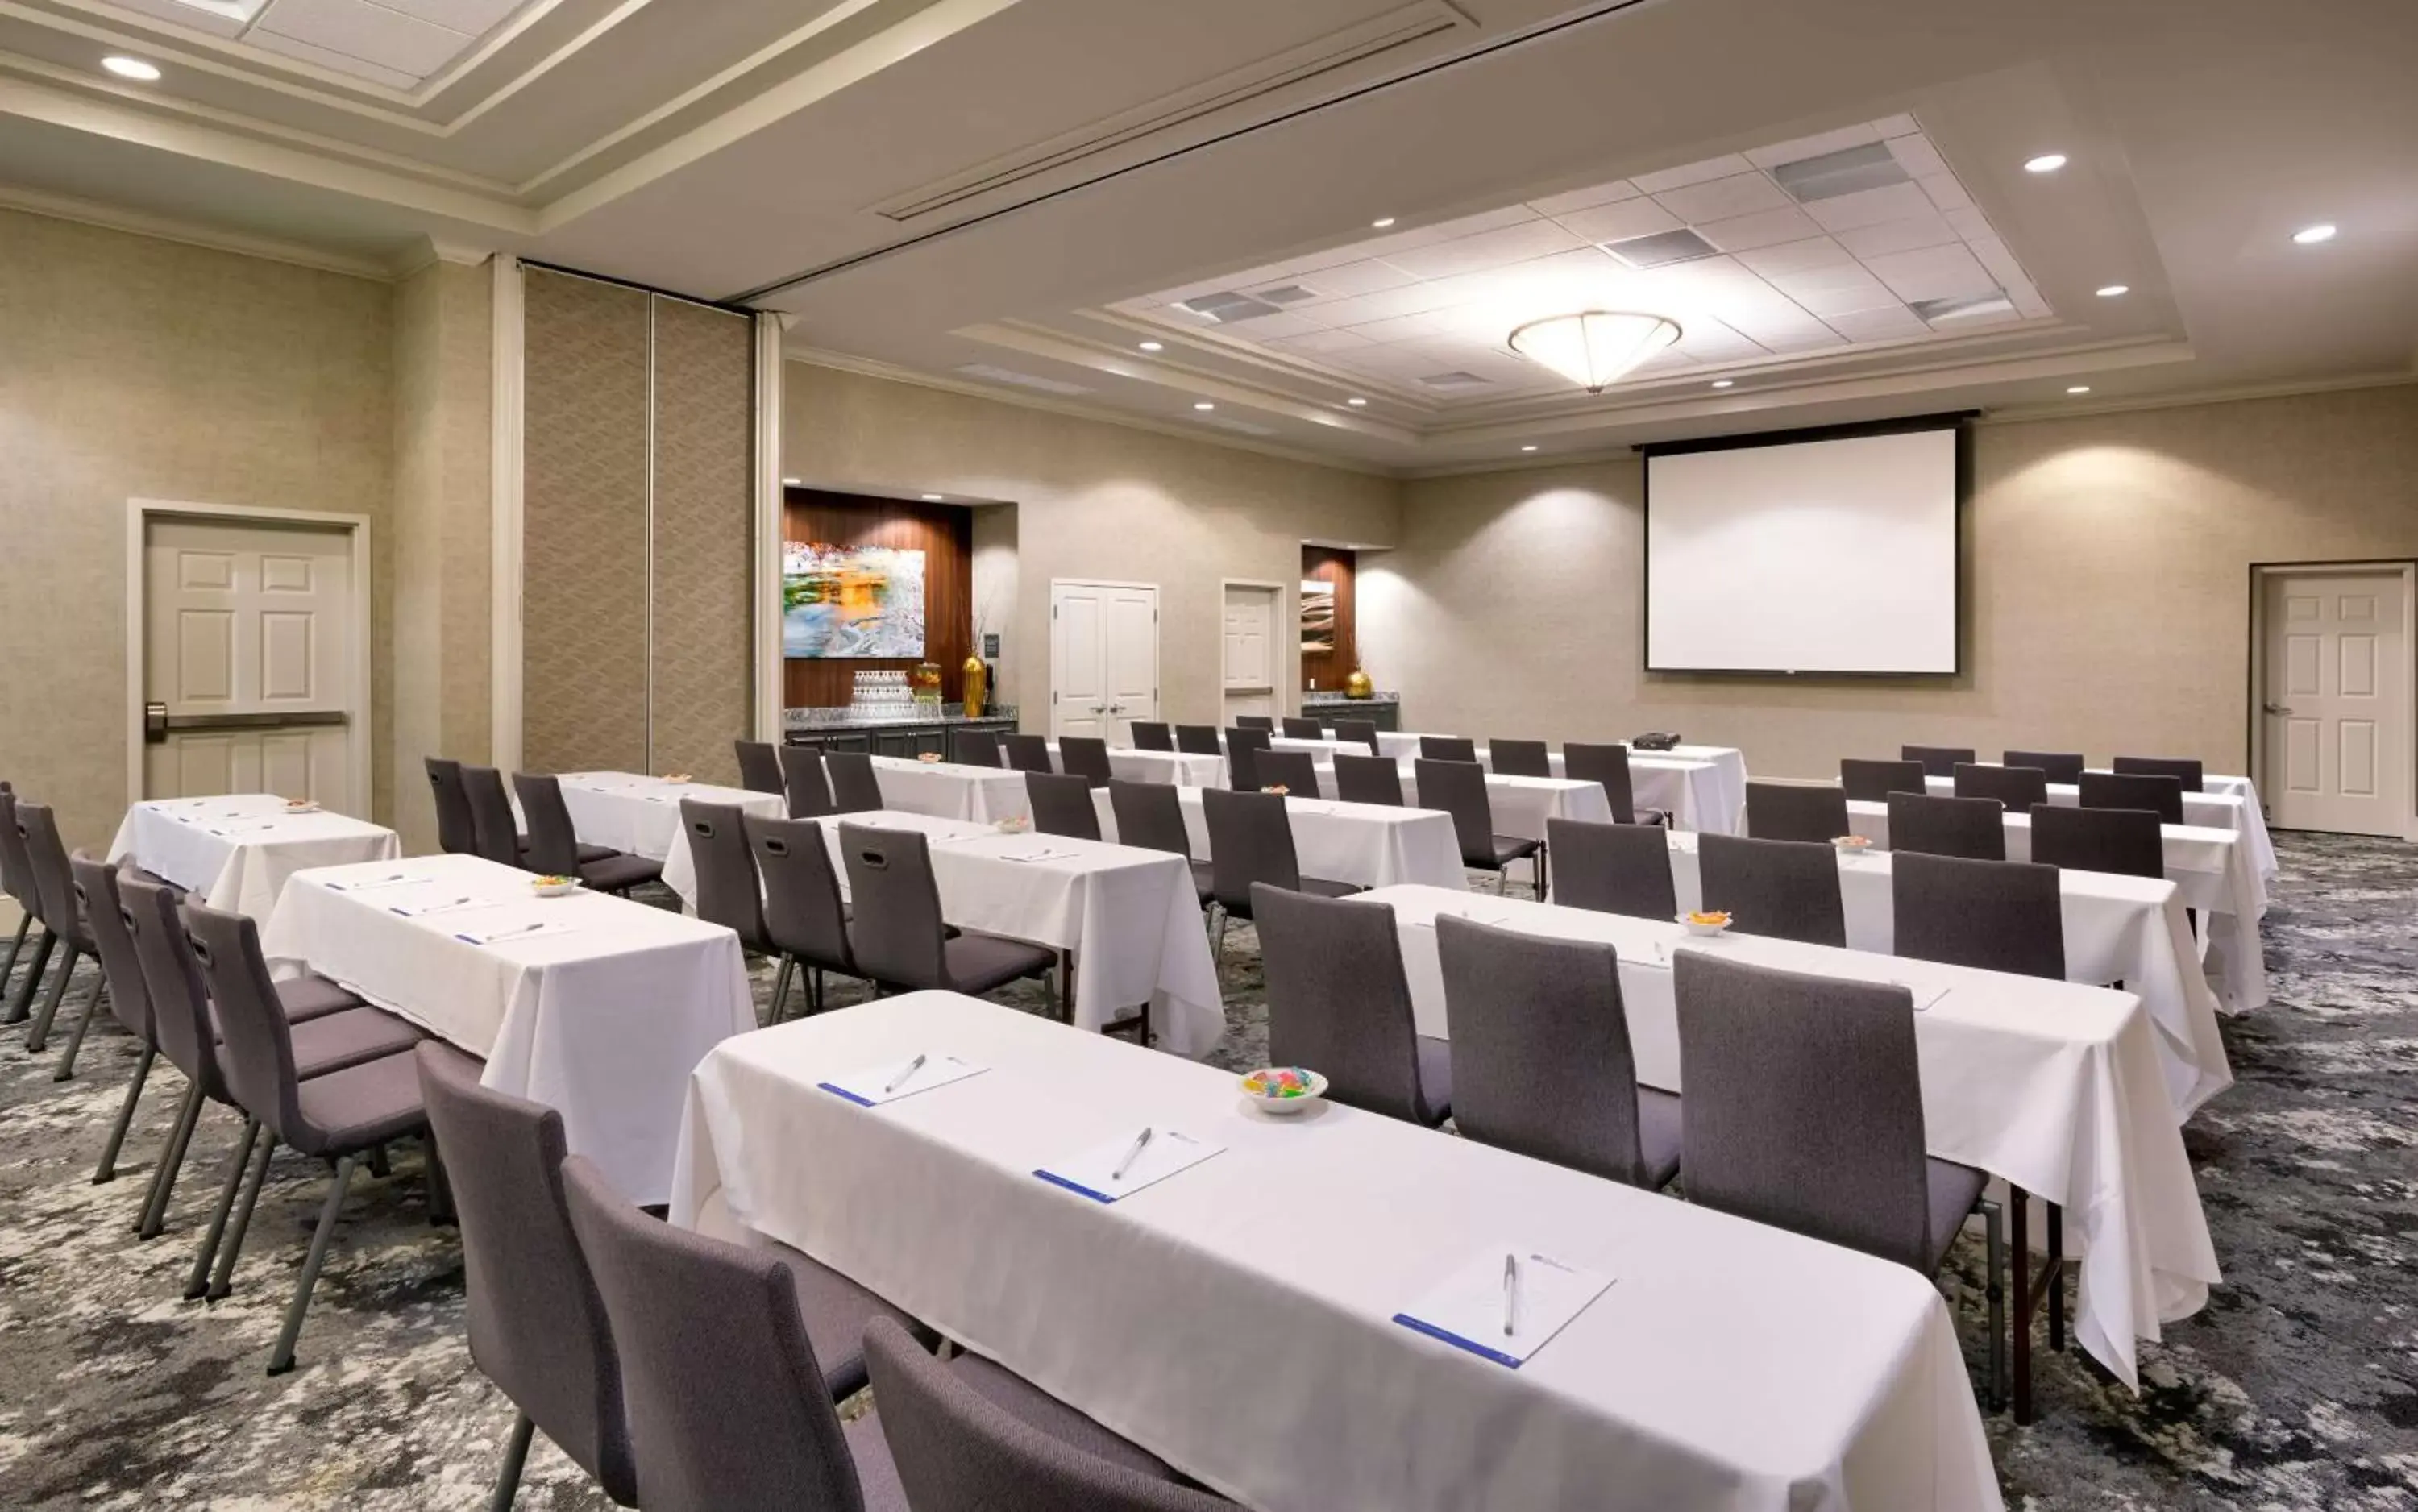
(1852, 845)
(1283, 1106)
(306, 806)
(1012, 826)
(1703, 931)
(930, 759)
(555, 890)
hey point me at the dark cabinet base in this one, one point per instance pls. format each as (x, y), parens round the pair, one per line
(943, 738)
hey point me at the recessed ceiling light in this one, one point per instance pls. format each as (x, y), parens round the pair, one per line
(1724, 383)
(1356, 402)
(2047, 162)
(1381, 224)
(1530, 447)
(931, 498)
(132, 69)
(1154, 346)
(2078, 388)
(2311, 235)
(789, 482)
(1203, 404)
(2114, 291)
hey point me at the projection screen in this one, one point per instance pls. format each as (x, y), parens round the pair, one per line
(1820, 556)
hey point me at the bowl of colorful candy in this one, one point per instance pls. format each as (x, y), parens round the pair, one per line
(1017, 824)
(929, 759)
(1284, 1089)
(1705, 923)
(553, 886)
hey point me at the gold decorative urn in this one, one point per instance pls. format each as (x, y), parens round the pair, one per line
(1358, 686)
(976, 677)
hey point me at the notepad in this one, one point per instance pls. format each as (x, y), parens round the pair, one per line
(367, 884)
(516, 933)
(1039, 855)
(427, 910)
(1470, 1308)
(223, 831)
(1094, 1172)
(893, 1080)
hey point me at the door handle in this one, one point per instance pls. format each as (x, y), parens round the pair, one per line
(2278, 708)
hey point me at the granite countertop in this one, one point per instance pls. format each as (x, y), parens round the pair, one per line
(1328, 697)
(846, 717)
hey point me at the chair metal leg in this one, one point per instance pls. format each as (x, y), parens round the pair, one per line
(75, 1041)
(781, 985)
(229, 1252)
(440, 1186)
(2056, 1277)
(281, 1359)
(24, 1003)
(1544, 876)
(197, 1285)
(1066, 985)
(817, 990)
(37, 1034)
(171, 1160)
(1217, 947)
(508, 1479)
(16, 948)
(107, 1169)
(1993, 1222)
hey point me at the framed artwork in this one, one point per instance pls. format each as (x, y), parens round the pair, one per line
(851, 601)
(1317, 618)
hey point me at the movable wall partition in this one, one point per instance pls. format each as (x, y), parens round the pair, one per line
(637, 534)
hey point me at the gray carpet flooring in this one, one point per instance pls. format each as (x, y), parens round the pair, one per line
(2296, 1388)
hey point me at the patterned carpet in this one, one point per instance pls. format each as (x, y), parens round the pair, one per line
(2296, 1388)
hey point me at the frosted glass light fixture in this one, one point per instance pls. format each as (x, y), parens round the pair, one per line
(1594, 349)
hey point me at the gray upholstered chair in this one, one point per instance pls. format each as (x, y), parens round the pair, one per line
(759, 765)
(1152, 735)
(1368, 779)
(1197, 739)
(1295, 772)
(855, 787)
(804, 917)
(1446, 748)
(1995, 915)
(1519, 759)
(1150, 816)
(1362, 730)
(2161, 793)
(2063, 766)
(964, 1439)
(62, 920)
(1339, 1003)
(727, 890)
(130, 1001)
(1613, 868)
(1085, 756)
(1609, 765)
(901, 942)
(1937, 760)
(1540, 1057)
(537, 1325)
(727, 1400)
(1251, 843)
(1974, 828)
(1028, 753)
(554, 846)
(17, 880)
(2186, 770)
(1797, 811)
(968, 747)
(2129, 842)
(1459, 789)
(1255, 722)
(1062, 805)
(1298, 728)
(1804, 1111)
(803, 784)
(338, 1116)
(1785, 888)
(1866, 781)
(2014, 789)
(1244, 744)
(457, 832)
(495, 834)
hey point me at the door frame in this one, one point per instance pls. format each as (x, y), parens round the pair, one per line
(1285, 632)
(1158, 639)
(140, 512)
(2253, 709)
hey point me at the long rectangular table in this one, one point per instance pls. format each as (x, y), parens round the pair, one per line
(602, 1018)
(1175, 768)
(1520, 806)
(2054, 1087)
(1129, 917)
(951, 791)
(236, 851)
(1236, 1318)
(1370, 844)
(2214, 808)
(1700, 786)
(2211, 867)
(2128, 930)
(632, 812)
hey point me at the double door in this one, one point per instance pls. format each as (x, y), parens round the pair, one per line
(1103, 658)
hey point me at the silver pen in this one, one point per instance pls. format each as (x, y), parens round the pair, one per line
(1131, 1155)
(1510, 1295)
(900, 1081)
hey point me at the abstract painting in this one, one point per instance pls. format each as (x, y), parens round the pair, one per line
(851, 601)
(1317, 616)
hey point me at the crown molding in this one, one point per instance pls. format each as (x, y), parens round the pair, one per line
(167, 228)
(2237, 394)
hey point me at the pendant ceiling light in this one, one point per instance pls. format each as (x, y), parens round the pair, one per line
(1596, 347)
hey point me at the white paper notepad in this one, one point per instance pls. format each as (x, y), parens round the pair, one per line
(1095, 1172)
(893, 1080)
(510, 934)
(1506, 1314)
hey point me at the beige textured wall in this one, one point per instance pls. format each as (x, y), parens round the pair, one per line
(2109, 599)
(701, 682)
(443, 439)
(1092, 500)
(134, 367)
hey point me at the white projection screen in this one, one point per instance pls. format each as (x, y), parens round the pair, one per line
(1821, 555)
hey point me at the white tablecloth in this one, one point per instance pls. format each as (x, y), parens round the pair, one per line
(2217, 808)
(1175, 769)
(2128, 930)
(1521, 805)
(603, 1023)
(641, 815)
(237, 851)
(1700, 786)
(2209, 866)
(1236, 1318)
(1130, 917)
(2054, 1087)
(946, 790)
(1373, 845)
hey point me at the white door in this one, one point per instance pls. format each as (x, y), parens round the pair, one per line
(247, 647)
(2336, 722)
(1103, 658)
(1248, 671)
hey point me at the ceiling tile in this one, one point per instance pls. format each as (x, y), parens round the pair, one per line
(1766, 229)
(1969, 224)
(1691, 173)
(1401, 328)
(371, 33)
(1619, 222)
(2026, 298)
(1344, 280)
(1870, 206)
(1321, 340)
(1889, 324)
(210, 21)
(1917, 155)
(1928, 229)
(1718, 199)
(1411, 300)
(1489, 249)
(474, 18)
(1994, 255)
(1837, 276)
(1708, 341)
(1896, 126)
(1945, 192)
(1584, 199)
(1814, 251)
(1810, 339)
(1934, 273)
(1864, 292)
(289, 47)
(1814, 146)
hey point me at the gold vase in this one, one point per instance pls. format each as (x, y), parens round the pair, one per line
(1357, 685)
(976, 677)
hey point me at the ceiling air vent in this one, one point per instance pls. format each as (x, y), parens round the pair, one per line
(1285, 294)
(1844, 172)
(1227, 306)
(1455, 379)
(1966, 306)
(1661, 249)
(988, 373)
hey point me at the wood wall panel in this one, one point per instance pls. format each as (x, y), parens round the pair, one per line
(943, 532)
(1330, 565)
